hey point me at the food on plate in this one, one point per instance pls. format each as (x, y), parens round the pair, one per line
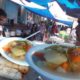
(60, 58)
(17, 49)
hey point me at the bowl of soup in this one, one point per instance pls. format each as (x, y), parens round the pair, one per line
(55, 61)
(14, 49)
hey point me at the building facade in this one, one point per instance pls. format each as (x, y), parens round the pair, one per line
(18, 13)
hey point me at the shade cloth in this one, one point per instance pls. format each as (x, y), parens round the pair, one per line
(57, 10)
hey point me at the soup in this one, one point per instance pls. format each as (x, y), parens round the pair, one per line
(17, 49)
(59, 58)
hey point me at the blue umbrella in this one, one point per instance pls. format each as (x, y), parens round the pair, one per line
(43, 8)
(67, 3)
(72, 7)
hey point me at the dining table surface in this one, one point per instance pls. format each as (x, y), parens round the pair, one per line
(28, 76)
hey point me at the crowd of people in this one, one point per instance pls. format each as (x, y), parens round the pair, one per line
(46, 30)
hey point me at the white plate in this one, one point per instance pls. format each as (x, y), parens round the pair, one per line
(45, 73)
(4, 54)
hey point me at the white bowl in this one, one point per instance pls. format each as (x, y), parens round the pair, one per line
(46, 73)
(4, 54)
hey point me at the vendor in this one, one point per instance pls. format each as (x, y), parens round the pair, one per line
(3, 17)
(78, 33)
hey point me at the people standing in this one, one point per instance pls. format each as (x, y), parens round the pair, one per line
(78, 33)
(46, 36)
(33, 30)
(54, 29)
(3, 17)
(42, 29)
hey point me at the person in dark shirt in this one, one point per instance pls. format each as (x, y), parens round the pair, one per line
(33, 30)
(3, 17)
(78, 33)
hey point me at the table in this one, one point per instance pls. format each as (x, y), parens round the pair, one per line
(28, 76)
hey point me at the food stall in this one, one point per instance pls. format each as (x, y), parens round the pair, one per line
(50, 61)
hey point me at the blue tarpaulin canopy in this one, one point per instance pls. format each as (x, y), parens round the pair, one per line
(58, 10)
